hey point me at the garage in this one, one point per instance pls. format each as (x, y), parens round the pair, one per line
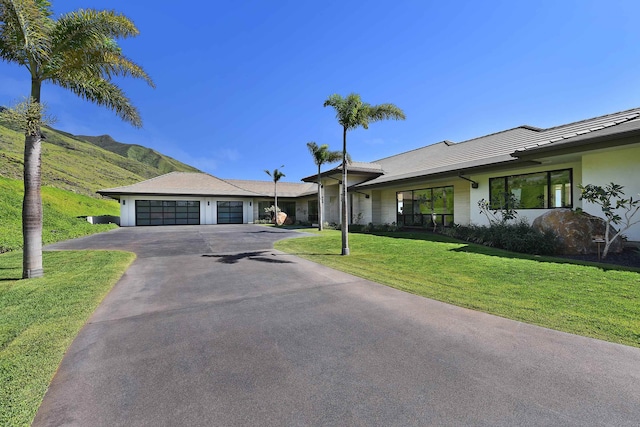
(167, 212)
(230, 212)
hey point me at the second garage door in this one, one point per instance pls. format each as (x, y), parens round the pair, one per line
(230, 212)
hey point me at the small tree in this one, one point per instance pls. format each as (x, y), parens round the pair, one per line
(275, 175)
(321, 155)
(353, 113)
(502, 210)
(77, 51)
(611, 200)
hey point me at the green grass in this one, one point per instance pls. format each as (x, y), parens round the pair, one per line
(40, 318)
(74, 164)
(61, 210)
(577, 298)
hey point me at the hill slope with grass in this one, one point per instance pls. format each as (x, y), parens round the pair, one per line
(73, 164)
(162, 163)
(62, 214)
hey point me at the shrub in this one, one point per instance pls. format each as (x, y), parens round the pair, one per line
(516, 237)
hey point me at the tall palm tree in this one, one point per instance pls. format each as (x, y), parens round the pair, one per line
(321, 155)
(275, 175)
(78, 51)
(352, 113)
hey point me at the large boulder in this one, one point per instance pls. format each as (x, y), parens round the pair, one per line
(576, 231)
(281, 218)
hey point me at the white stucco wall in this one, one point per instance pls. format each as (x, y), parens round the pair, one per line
(361, 207)
(332, 202)
(208, 208)
(384, 202)
(620, 166)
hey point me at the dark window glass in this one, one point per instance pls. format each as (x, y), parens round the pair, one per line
(422, 207)
(167, 212)
(230, 212)
(532, 191)
(560, 189)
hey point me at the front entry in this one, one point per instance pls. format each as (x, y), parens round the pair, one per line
(230, 212)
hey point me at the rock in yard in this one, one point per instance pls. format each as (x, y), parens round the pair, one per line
(576, 231)
(281, 218)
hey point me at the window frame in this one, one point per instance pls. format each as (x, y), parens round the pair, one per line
(417, 218)
(548, 196)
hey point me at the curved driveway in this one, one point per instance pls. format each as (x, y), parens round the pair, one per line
(212, 327)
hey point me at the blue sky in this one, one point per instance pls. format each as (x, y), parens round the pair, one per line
(240, 84)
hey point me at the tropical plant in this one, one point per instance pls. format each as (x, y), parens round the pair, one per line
(611, 200)
(78, 51)
(502, 210)
(352, 113)
(321, 155)
(275, 175)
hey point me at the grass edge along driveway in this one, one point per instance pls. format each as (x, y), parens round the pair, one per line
(593, 301)
(41, 317)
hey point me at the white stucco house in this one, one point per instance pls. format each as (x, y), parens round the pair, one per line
(182, 198)
(542, 168)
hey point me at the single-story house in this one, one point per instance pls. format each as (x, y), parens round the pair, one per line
(541, 168)
(181, 198)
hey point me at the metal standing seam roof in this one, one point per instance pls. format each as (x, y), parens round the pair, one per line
(203, 184)
(492, 149)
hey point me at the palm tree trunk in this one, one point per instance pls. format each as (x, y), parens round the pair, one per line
(275, 196)
(320, 219)
(32, 202)
(345, 212)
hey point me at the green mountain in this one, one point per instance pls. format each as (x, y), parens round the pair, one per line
(142, 154)
(81, 164)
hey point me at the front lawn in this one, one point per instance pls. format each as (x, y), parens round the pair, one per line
(587, 300)
(40, 318)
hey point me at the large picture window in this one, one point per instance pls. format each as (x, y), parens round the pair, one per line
(420, 207)
(539, 190)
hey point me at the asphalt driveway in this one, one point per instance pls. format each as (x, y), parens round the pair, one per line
(212, 327)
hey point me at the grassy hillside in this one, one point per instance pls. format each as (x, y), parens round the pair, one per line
(75, 165)
(61, 210)
(145, 155)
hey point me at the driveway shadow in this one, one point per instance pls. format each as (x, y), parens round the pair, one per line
(253, 256)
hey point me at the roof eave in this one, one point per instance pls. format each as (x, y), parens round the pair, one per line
(450, 173)
(338, 172)
(587, 144)
(117, 194)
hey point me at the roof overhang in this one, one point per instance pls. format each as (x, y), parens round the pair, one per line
(581, 144)
(499, 163)
(337, 172)
(118, 194)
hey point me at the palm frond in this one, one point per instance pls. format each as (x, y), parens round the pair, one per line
(321, 154)
(24, 32)
(104, 93)
(84, 28)
(86, 40)
(353, 113)
(385, 112)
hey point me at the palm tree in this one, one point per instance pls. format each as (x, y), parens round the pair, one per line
(352, 113)
(78, 52)
(275, 175)
(322, 155)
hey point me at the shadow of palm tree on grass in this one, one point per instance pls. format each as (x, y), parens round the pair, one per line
(490, 251)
